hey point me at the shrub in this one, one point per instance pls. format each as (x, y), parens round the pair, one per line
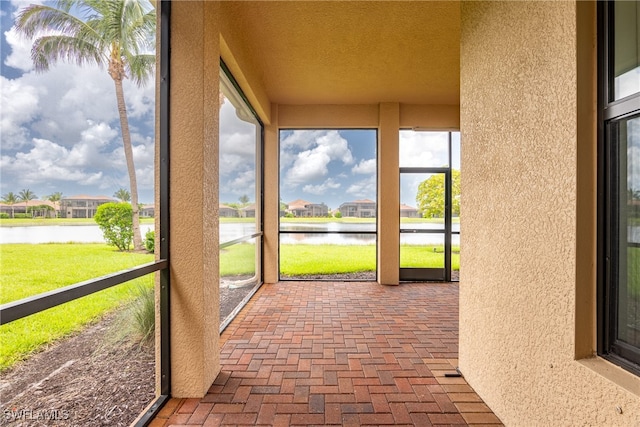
(4, 215)
(116, 222)
(150, 241)
(338, 214)
(144, 313)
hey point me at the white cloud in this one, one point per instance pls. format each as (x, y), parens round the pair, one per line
(312, 164)
(423, 149)
(365, 167)
(364, 189)
(140, 100)
(19, 107)
(237, 143)
(299, 140)
(45, 162)
(308, 166)
(321, 189)
(20, 56)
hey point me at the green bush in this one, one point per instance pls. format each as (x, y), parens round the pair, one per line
(116, 222)
(338, 214)
(150, 241)
(4, 215)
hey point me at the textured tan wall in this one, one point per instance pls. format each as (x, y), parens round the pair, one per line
(271, 213)
(194, 197)
(389, 195)
(430, 116)
(525, 170)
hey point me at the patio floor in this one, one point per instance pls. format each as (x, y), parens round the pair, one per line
(339, 353)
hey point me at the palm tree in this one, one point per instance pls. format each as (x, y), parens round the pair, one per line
(10, 199)
(123, 195)
(55, 199)
(116, 34)
(26, 196)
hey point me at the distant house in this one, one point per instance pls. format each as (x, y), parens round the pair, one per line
(303, 209)
(248, 211)
(407, 211)
(82, 206)
(358, 209)
(147, 211)
(227, 211)
(21, 208)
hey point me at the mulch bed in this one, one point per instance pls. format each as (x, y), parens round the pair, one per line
(90, 379)
(93, 378)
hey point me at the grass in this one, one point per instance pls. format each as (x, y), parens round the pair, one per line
(238, 259)
(32, 222)
(427, 256)
(304, 259)
(28, 270)
(326, 259)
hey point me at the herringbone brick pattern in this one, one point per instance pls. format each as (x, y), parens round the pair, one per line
(350, 354)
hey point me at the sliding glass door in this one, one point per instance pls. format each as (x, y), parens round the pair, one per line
(429, 205)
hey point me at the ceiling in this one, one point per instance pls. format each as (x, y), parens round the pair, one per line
(352, 52)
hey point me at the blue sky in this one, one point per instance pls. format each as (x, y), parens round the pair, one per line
(328, 166)
(60, 129)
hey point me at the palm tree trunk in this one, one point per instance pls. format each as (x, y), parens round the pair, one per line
(128, 154)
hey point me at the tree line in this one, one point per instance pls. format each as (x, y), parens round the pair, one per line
(26, 196)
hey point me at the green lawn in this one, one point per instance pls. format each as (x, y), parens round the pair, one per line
(427, 256)
(238, 259)
(304, 259)
(27, 270)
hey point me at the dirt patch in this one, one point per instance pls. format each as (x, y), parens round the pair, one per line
(94, 378)
(97, 377)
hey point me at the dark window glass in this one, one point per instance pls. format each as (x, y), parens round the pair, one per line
(626, 49)
(619, 340)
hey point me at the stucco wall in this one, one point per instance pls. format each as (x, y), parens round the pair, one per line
(194, 310)
(520, 159)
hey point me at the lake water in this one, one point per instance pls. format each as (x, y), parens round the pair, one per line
(57, 234)
(231, 231)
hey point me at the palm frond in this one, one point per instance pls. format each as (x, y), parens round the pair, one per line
(122, 29)
(49, 49)
(36, 18)
(141, 68)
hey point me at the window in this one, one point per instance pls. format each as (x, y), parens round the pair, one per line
(619, 267)
(240, 192)
(429, 205)
(328, 204)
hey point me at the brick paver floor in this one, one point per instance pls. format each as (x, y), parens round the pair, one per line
(339, 353)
